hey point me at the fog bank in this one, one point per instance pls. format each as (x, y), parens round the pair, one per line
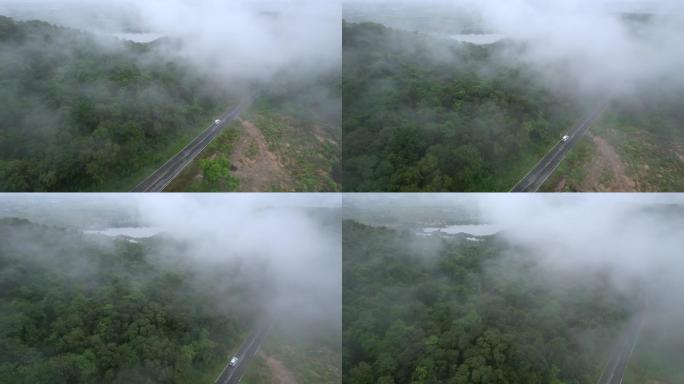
(285, 247)
(250, 40)
(633, 241)
(605, 46)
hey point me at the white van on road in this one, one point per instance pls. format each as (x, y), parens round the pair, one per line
(234, 361)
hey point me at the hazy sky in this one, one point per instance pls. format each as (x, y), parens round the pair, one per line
(581, 40)
(251, 39)
(300, 256)
(635, 238)
(290, 243)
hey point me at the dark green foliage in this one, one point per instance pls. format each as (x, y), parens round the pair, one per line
(80, 114)
(429, 114)
(431, 310)
(82, 309)
(216, 171)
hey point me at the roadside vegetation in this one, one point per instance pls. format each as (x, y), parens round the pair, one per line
(424, 113)
(453, 310)
(287, 141)
(310, 153)
(657, 356)
(87, 113)
(289, 358)
(638, 145)
(212, 170)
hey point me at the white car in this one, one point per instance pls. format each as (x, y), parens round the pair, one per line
(565, 138)
(234, 361)
(217, 121)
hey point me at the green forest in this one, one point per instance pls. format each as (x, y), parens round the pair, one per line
(431, 309)
(78, 308)
(424, 113)
(87, 113)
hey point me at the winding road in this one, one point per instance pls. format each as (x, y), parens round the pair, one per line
(163, 176)
(545, 167)
(232, 374)
(614, 371)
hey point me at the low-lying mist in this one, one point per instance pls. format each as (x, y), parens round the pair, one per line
(283, 251)
(243, 40)
(607, 47)
(633, 241)
(569, 282)
(125, 288)
(290, 243)
(89, 108)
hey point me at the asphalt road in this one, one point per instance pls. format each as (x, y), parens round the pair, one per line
(232, 375)
(614, 371)
(163, 176)
(545, 167)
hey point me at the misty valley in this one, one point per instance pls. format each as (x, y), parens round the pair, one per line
(424, 113)
(469, 316)
(82, 116)
(512, 306)
(87, 109)
(460, 97)
(155, 306)
(86, 309)
(355, 191)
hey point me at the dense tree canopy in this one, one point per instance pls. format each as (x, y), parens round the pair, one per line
(430, 310)
(78, 308)
(81, 112)
(430, 114)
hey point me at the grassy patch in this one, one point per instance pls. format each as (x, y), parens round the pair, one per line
(308, 358)
(253, 150)
(258, 372)
(308, 361)
(657, 358)
(305, 149)
(310, 158)
(649, 159)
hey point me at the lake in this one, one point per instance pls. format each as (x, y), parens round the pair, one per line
(471, 229)
(138, 37)
(478, 39)
(134, 232)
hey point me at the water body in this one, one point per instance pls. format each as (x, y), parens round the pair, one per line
(478, 39)
(139, 37)
(471, 229)
(133, 232)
